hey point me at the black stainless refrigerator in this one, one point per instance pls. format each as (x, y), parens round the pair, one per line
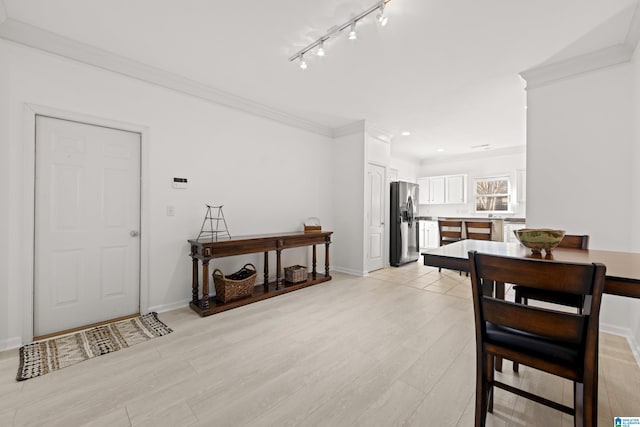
(404, 228)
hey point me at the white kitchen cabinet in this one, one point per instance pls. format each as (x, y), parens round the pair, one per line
(428, 236)
(423, 186)
(436, 190)
(456, 189)
(433, 234)
(440, 190)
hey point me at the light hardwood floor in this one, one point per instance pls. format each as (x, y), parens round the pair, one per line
(394, 348)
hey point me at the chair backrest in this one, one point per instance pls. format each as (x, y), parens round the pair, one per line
(578, 330)
(450, 231)
(478, 230)
(574, 242)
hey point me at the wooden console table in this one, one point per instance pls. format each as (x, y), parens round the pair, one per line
(204, 251)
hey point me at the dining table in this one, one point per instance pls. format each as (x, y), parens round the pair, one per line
(622, 275)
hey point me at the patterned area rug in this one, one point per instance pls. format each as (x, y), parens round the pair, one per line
(45, 356)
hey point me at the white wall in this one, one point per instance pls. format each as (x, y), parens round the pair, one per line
(348, 201)
(483, 164)
(4, 197)
(580, 157)
(407, 169)
(634, 308)
(270, 177)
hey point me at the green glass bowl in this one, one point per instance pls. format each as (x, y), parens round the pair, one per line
(538, 239)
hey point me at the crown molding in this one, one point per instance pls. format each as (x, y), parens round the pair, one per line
(363, 127)
(354, 128)
(541, 76)
(378, 133)
(633, 35)
(38, 38)
(3, 12)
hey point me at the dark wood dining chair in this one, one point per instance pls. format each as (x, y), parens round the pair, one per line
(450, 231)
(523, 293)
(478, 230)
(558, 342)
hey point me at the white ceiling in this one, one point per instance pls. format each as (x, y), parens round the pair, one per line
(446, 70)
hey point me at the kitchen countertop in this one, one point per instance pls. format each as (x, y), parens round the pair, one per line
(511, 220)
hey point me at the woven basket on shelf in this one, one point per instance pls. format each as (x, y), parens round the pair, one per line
(237, 285)
(295, 274)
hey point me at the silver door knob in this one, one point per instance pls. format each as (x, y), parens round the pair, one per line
(134, 233)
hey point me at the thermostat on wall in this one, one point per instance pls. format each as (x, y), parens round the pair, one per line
(180, 183)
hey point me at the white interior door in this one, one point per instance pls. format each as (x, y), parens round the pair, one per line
(87, 222)
(375, 214)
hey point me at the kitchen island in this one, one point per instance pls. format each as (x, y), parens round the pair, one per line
(502, 228)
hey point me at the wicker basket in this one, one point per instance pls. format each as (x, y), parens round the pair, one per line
(237, 285)
(295, 274)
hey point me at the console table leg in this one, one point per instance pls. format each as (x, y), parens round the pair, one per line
(204, 303)
(313, 271)
(278, 269)
(266, 272)
(326, 259)
(194, 281)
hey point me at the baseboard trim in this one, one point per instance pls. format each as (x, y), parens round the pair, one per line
(168, 307)
(10, 343)
(626, 333)
(349, 271)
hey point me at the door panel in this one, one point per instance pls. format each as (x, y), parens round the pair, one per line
(87, 265)
(375, 192)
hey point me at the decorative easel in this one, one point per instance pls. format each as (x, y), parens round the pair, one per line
(217, 232)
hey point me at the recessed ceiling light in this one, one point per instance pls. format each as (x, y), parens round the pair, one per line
(405, 133)
(440, 150)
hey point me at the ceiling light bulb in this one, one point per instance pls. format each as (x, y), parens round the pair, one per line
(303, 63)
(320, 51)
(406, 133)
(352, 32)
(382, 18)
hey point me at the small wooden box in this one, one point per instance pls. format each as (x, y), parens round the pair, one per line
(312, 228)
(295, 274)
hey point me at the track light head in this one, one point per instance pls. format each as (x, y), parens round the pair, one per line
(303, 63)
(352, 32)
(382, 18)
(320, 51)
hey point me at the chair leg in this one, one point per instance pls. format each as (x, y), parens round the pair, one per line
(482, 389)
(578, 402)
(518, 300)
(490, 377)
(585, 402)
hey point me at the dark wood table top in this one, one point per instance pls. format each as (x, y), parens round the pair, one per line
(623, 268)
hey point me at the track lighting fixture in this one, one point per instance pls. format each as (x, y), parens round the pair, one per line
(352, 32)
(382, 18)
(350, 24)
